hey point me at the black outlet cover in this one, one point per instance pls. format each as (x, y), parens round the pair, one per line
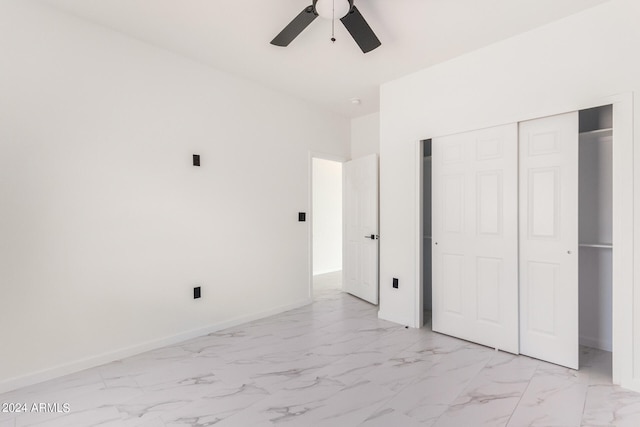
(395, 283)
(196, 292)
(302, 216)
(196, 160)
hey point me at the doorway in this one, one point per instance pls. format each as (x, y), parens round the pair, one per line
(326, 221)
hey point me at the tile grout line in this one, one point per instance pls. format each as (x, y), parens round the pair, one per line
(523, 393)
(400, 390)
(464, 388)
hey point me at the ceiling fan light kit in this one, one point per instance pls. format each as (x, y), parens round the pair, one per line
(344, 10)
(332, 9)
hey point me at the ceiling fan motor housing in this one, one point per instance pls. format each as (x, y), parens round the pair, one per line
(325, 8)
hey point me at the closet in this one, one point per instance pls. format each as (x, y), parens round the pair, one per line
(595, 227)
(517, 223)
(426, 231)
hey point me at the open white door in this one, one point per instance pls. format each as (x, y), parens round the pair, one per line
(475, 236)
(360, 205)
(549, 239)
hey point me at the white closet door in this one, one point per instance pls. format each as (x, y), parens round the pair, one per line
(475, 236)
(549, 239)
(360, 217)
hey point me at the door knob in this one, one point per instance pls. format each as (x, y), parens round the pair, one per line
(372, 237)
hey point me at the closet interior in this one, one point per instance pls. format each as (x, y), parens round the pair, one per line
(595, 227)
(426, 231)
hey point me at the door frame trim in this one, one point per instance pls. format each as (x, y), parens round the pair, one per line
(419, 292)
(626, 326)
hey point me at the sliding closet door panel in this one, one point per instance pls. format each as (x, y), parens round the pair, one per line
(549, 239)
(449, 239)
(475, 276)
(453, 281)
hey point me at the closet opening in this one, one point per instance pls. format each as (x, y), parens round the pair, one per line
(516, 228)
(426, 233)
(595, 274)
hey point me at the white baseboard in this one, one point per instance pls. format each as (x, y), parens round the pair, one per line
(101, 359)
(395, 319)
(596, 343)
(633, 385)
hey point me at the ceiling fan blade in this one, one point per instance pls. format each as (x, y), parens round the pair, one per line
(295, 27)
(360, 30)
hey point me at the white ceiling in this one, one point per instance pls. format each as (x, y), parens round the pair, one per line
(234, 36)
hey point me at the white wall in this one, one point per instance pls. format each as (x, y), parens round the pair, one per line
(105, 226)
(365, 135)
(327, 216)
(559, 67)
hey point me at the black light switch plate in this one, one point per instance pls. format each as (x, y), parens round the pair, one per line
(196, 292)
(196, 160)
(395, 283)
(302, 216)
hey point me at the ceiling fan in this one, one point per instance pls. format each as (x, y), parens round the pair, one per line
(344, 10)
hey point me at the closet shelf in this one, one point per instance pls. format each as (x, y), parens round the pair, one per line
(596, 245)
(597, 133)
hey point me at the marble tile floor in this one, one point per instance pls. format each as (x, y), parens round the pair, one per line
(332, 363)
(327, 281)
